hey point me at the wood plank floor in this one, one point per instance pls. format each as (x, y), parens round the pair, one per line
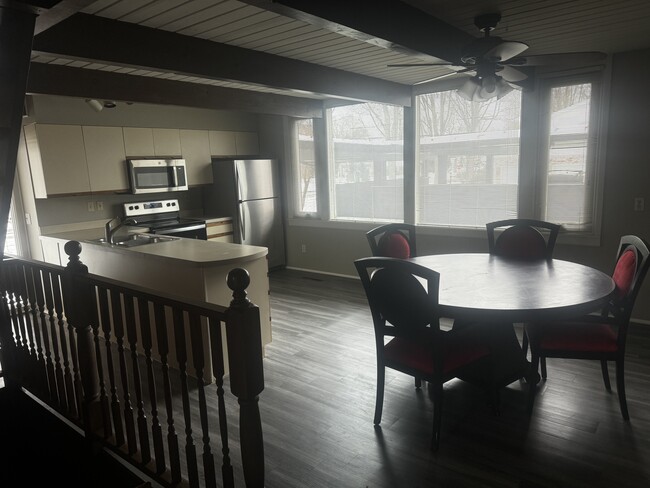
(318, 405)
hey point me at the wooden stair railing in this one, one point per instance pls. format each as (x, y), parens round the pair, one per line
(128, 366)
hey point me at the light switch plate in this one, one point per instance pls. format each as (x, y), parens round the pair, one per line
(91, 206)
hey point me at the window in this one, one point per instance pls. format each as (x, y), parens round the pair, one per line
(569, 176)
(468, 159)
(366, 162)
(306, 156)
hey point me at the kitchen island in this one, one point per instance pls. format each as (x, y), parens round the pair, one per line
(187, 268)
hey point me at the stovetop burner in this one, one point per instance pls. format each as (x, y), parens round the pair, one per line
(163, 217)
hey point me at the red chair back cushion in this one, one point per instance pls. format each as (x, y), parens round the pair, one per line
(394, 245)
(624, 272)
(521, 242)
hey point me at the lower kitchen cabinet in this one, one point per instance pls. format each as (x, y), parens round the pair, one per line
(219, 230)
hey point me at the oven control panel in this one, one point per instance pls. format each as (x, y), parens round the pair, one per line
(136, 209)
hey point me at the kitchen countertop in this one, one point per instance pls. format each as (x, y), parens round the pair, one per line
(193, 252)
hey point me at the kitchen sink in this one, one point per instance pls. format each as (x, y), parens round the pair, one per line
(137, 240)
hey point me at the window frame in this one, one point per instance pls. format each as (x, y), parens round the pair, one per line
(531, 146)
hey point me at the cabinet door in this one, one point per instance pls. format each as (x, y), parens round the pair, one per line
(62, 158)
(138, 141)
(106, 158)
(166, 142)
(222, 143)
(195, 149)
(219, 231)
(247, 143)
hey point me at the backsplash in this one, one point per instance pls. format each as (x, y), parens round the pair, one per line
(73, 210)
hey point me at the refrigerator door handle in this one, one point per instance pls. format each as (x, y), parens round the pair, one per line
(242, 224)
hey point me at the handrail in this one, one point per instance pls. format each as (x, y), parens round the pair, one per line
(127, 364)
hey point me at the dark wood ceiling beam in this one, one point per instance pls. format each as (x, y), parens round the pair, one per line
(93, 38)
(387, 23)
(49, 79)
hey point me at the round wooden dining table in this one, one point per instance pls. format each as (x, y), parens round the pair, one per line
(493, 292)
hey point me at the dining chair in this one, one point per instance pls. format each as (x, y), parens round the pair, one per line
(598, 336)
(407, 312)
(522, 239)
(395, 240)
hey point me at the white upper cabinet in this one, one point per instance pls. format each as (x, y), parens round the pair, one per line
(147, 142)
(57, 158)
(166, 142)
(222, 143)
(247, 143)
(195, 148)
(106, 158)
(138, 141)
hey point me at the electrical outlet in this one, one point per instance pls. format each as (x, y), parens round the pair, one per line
(639, 204)
(100, 206)
(91, 206)
(303, 248)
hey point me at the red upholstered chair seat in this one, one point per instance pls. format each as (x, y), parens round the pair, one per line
(624, 272)
(575, 336)
(394, 245)
(419, 356)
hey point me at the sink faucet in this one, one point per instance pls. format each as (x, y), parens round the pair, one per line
(113, 225)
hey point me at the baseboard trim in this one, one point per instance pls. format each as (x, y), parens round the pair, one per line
(313, 271)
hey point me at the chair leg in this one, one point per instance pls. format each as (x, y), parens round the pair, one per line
(542, 361)
(437, 415)
(532, 380)
(603, 368)
(379, 401)
(524, 343)
(620, 386)
(418, 382)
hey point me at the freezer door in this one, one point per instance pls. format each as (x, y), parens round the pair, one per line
(257, 178)
(260, 224)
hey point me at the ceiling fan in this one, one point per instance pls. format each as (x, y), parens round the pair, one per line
(495, 62)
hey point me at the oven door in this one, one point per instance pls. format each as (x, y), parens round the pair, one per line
(190, 231)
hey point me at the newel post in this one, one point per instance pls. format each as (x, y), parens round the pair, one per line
(246, 373)
(79, 301)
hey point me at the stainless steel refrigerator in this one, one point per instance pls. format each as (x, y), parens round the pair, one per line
(248, 190)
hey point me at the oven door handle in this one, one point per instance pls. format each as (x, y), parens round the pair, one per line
(183, 229)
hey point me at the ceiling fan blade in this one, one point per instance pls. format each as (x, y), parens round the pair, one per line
(411, 65)
(505, 50)
(511, 74)
(557, 59)
(446, 75)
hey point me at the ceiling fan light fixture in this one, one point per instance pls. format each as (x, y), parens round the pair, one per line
(469, 89)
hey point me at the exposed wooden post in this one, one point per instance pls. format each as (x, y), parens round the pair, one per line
(246, 374)
(78, 302)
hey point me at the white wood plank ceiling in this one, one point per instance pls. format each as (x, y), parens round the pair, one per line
(547, 26)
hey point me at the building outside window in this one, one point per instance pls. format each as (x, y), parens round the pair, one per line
(468, 159)
(467, 168)
(366, 147)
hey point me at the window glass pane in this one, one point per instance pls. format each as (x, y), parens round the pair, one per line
(568, 189)
(306, 167)
(367, 168)
(468, 163)
(10, 241)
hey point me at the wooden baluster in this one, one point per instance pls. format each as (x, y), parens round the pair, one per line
(181, 356)
(156, 428)
(243, 334)
(78, 299)
(132, 336)
(60, 397)
(115, 401)
(66, 338)
(39, 337)
(216, 348)
(129, 421)
(30, 351)
(43, 320)
(19, 324)
(196, 338)
(172, 436)
(101, 315)
(10, 363)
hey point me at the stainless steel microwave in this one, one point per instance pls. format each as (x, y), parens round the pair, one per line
(156, 175)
